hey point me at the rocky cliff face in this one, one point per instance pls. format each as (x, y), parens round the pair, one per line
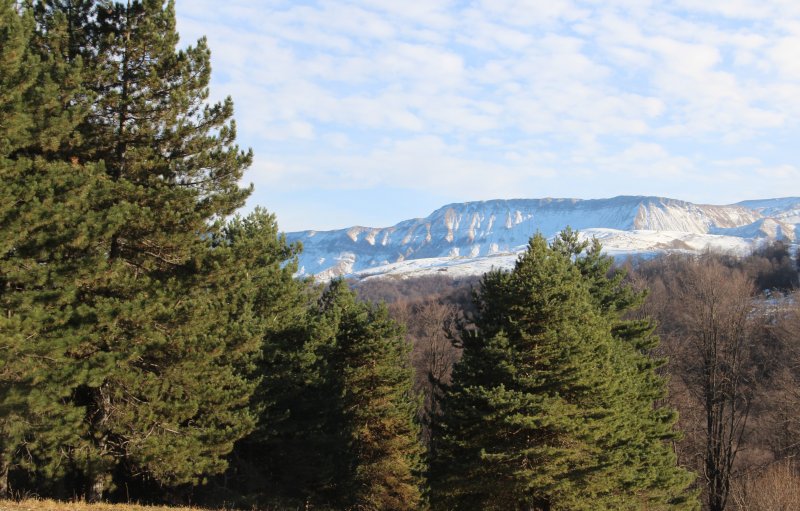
(473, 233)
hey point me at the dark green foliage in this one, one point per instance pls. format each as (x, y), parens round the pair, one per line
(17, 75)
(646, 454)
(18, 72)
(47, 248)
(551, 406)
(279, 460)
(379, 470)
(338, 423)
(170, 346)
(129, 305)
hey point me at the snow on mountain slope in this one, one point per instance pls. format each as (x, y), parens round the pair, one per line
(772, 207)
(769, 228)
(474, 236)
(786, 209)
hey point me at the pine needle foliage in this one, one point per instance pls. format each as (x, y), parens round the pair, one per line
(549, 408)
(648, 464)
(47, 247)
(338, 423)
(127, 298)
(380, 468)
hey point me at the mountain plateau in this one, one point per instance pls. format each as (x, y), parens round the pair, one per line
(472, 237)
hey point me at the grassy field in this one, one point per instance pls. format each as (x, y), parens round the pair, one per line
(52, 505)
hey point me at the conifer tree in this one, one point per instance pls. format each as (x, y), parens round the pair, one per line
(162, 344)
(284, 369)
(46, 246)
(338, 426)
(648, 462)
(17, 75)
(17, 78)
(291, 456)
(380, 470)
(536, 416)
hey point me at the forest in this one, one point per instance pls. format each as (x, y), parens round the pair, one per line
(155, 346)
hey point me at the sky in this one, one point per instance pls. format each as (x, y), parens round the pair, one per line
(374, 111)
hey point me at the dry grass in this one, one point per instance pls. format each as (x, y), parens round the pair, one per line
(52, 505)
(775, 489)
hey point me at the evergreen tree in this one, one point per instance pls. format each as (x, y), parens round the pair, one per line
(17, 78)
(17, 75)
(278, 459)
(537, 416)
(380, 470)
(291, 457)
(46, 247)
(338, 425)
(160, 342)
(648, 462)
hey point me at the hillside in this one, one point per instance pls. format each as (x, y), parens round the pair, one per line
(469, 238)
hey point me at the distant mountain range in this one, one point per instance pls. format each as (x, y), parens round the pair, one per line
(472, 237)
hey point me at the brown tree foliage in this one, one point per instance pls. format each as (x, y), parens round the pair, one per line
(733, 366)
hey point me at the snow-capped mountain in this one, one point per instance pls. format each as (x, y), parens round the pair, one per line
(472, 237)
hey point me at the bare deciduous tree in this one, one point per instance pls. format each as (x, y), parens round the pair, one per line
(711, 317)
(433, 328)
(785, 398)
(434, 355)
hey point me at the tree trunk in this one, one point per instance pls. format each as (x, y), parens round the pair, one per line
(97, 488)
(4, 466)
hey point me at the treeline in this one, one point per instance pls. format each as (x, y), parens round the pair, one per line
(730, 334)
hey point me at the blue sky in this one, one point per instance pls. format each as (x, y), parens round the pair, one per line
(370, 112)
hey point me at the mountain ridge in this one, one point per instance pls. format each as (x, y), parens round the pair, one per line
(490, 228)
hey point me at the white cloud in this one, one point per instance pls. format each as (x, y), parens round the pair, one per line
(785, 56)
(744, 161)
(437, 93)
(743, 9)
(780, 172)
(648, 160)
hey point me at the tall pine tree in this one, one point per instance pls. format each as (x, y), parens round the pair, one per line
(17, 76)
(643, 450)
(338, 423)
(381, 466)
(285, 367)
(160, 357)
(47, 228)
(536, 417)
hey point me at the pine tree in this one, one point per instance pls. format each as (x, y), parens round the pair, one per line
(45, 247)
(17, 75)
(648, 462)
(17, 78)
(273, 454)
(338, 423)
(290, 459)
(380, 470)
(536, 416)
(160, 342)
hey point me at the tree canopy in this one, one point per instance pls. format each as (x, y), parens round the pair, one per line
(546, 408)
